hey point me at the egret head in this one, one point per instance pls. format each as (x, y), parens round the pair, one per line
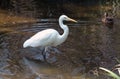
(66, 18)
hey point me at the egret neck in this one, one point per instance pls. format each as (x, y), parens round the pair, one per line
(65, 28)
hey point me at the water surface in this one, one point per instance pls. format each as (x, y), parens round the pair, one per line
(90, 44)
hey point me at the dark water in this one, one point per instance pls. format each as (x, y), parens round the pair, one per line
(90, 44)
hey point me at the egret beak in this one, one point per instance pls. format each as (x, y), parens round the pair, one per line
(69, 19)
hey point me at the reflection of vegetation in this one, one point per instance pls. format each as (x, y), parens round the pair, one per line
(7, 19)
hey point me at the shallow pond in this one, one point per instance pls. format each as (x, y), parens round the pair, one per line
(90, 44)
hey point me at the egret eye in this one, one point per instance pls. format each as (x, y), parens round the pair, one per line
(65, 18)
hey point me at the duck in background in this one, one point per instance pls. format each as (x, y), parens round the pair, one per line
(108, 20)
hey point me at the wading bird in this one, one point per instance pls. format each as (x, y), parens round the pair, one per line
(49, 37)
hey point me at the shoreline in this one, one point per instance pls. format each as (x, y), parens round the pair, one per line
(8, 20)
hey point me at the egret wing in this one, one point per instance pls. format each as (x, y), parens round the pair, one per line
(43, 38)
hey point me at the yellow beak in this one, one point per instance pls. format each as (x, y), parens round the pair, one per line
(72, 20)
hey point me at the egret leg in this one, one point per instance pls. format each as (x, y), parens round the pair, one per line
(44, 53)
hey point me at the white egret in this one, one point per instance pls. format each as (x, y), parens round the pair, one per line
(49, 37)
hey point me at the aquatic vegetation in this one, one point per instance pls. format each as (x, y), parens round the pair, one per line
(110, 73)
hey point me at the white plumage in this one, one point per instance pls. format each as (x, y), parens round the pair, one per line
(44, 38)
(49, 37)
